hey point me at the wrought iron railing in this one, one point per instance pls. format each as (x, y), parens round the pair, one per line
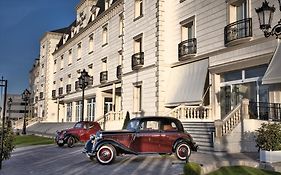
(187, 47)
(265, 111)
(103, 76)
(137, 60)
(118, 71)
(237, 30)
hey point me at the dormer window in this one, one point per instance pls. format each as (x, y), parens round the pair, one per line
(95, 11)
(65, 37)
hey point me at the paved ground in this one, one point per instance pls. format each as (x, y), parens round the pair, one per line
(52, 160)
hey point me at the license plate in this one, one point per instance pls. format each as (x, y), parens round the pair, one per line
(60, 141)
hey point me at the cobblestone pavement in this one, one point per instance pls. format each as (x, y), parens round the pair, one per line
(52, 160)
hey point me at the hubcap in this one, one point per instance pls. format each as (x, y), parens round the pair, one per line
(105, 154)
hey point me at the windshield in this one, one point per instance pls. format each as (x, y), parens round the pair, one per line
(133, 125)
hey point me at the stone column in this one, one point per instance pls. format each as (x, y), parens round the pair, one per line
(245, 109)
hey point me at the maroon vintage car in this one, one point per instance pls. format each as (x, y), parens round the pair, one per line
(161, 135)
(81, 131)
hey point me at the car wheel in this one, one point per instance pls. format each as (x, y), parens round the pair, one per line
(106, 154)
(70, 142)
(183, 151)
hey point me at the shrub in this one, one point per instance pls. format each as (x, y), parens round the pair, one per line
(8, 142)
(269, 136)
(192, 168)
(126, 121)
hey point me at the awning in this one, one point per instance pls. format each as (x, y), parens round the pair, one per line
(186, 83)
(273, 72)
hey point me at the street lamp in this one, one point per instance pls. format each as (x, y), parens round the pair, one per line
(25, 97)
(10, 100)
(83, 82)
(265, 15)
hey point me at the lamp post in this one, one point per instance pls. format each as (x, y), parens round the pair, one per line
(3, 83)
(83, 82)
(25, 98)
(265, 15)
(10, 100)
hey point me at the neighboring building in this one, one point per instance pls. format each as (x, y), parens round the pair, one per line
(195, 60)
(33, 82)
(17, 109)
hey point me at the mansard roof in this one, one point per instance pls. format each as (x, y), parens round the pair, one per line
(100, 4)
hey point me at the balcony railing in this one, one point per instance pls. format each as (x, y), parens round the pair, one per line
(238, 30)
(137, 60)
(187, 48)
(265, 111)
(103, 76)
(118, 71)
(68, 88)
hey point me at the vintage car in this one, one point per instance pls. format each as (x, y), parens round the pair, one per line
(144, 135)
(81, 131)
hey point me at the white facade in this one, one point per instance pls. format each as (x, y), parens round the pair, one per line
(162, 37)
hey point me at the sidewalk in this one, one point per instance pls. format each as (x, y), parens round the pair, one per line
(212, 162)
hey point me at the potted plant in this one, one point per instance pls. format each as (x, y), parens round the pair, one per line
(269, 142)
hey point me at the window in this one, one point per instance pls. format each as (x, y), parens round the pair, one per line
(79, 51)
(69, 112)
(104, 35)
(149, 125)
(187, 30)
(69, 56)
(91, 109)
(61, 62)
(238, 10)
(121, 25)
(138, 9)
(104, 64)
(55, 66)
(137, 98)
(91, 43)
(78, 110)
(138, 44)
(120, 58)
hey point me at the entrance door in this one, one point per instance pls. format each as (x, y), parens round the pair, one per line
(107, 105)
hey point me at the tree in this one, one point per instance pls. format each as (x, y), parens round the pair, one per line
(126, 121)
(8, 144)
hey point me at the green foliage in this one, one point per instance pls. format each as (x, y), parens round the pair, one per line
(269, 136)
(8, 144)
(126, 121)
(27, 140)
(234, 170)
(192, 168)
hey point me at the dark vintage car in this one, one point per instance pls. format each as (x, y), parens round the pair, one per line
(81, 131)
(161, 135)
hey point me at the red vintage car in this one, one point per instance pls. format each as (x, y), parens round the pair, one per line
(81, 131)
(161, 135)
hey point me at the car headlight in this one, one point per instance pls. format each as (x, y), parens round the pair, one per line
(92, 137)
(99, 135)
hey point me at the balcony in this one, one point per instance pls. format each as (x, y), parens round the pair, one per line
(119, 72)
(187, 48)
(238, 32)
(53, 94)
(137, 60)
(68, 88)
(103, 76)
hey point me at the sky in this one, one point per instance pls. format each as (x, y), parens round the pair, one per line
(22, 24)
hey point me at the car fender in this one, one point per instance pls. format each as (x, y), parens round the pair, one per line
(116, 145)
